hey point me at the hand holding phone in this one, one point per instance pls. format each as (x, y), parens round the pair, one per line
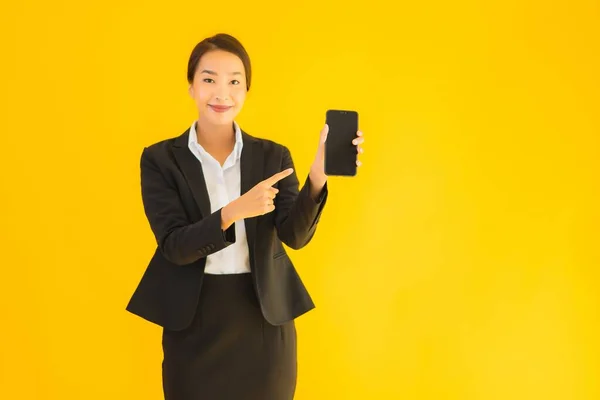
(340, 151)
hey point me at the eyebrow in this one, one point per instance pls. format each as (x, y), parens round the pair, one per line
(208, 71)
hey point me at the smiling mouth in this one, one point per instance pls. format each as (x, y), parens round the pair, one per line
(220, 108)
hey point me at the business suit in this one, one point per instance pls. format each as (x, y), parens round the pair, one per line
(177, 206)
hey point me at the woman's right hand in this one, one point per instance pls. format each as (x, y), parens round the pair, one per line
(259, 200)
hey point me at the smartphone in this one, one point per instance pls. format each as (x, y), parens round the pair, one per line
(340, 153)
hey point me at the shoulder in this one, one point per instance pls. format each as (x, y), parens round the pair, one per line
(164, 148)
(268, 146)
(275, 154)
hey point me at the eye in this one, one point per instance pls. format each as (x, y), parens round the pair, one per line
(207, 80)
(235, 82)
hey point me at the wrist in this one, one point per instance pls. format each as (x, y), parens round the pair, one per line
(227, 216)
(317, 176)
(317, 182)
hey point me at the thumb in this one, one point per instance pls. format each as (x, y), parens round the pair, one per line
(324, 133)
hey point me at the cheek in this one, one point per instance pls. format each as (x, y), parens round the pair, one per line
(204, 97)
(239, 97)
(201, 95)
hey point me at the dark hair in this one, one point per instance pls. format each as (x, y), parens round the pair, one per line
(220, 41)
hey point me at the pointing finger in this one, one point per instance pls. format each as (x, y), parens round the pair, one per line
(278, 176)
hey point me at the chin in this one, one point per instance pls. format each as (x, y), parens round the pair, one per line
(221, 120)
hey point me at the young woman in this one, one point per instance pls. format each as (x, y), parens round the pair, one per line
(220, 203)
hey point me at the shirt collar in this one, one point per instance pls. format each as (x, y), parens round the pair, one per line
(237, 148)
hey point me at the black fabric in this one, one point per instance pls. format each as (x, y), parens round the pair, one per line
(177, 206)
(229, 351)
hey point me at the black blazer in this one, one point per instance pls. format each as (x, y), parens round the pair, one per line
(177, 206)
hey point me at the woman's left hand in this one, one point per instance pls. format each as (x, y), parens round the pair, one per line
(318, 166)
(359, 149)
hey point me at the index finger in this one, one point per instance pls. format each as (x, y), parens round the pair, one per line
(278, 176)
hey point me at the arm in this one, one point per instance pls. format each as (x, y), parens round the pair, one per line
(180, 241)
(297, 212)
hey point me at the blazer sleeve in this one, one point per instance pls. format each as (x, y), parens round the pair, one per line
(296, 212)
(180, 241)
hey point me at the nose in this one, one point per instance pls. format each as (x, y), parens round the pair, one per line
(222, 94)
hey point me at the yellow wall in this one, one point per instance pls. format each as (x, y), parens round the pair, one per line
(462, 262)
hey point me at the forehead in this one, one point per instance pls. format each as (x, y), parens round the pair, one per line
(221, 61)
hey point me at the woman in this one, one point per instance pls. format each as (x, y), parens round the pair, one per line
(220, 203)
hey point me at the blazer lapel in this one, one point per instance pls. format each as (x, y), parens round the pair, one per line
(251, 174)
(192, 170)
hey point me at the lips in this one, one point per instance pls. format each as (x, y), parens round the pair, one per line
(220, 109)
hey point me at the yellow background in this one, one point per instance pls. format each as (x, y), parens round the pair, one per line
(462, 262)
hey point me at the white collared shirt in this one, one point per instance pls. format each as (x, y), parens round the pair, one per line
(224, 185)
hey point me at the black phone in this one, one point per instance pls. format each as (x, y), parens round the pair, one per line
(340, 153)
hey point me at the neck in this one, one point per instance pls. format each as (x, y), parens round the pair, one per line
(215, 136)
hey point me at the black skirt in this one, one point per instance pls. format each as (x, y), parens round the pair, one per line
(229, 352)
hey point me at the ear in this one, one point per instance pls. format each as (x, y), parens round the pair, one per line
(191, 91)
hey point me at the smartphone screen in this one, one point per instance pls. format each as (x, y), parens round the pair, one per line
(340, 153)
